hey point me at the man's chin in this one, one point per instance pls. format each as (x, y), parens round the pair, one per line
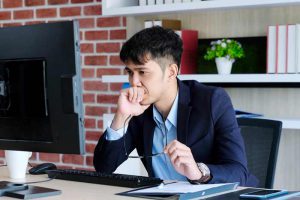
(145, 103)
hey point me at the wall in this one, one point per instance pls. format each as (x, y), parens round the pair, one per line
(101, 39)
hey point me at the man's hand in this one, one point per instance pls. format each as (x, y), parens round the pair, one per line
(183, 160)
(129, 104)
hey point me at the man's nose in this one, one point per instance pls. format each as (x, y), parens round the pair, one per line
(136, 80)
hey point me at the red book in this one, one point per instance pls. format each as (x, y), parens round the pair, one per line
(190, 51)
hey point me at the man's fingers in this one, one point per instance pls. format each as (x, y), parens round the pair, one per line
(171, 147)
(135, 94)
(182, 160)
(178, 153)
(140, 94)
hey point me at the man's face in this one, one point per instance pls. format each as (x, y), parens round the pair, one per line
(149, 77)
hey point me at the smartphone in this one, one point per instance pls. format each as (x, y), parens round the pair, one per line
(263, 194)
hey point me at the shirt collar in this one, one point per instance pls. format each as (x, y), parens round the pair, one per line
(172, 116)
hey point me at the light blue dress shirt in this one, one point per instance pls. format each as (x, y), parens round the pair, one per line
(161, 164)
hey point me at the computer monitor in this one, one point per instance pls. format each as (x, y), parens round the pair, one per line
(40, 88)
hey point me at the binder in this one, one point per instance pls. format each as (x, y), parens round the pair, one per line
(182, 195)
(190, 51)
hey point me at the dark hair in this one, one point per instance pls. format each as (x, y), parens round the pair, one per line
(156, 42)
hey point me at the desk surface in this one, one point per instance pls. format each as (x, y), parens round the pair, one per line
(70, 189)
(74, 190)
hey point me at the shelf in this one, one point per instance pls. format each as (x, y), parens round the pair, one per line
(131, 7)
(232, 80)
(286, 123)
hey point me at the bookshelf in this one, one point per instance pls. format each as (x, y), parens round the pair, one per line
(131, 7)
(235, 80)
(276, 96)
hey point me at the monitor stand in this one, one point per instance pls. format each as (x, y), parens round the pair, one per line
(6, 186)
(24, 191)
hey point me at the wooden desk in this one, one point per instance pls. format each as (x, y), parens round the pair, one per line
(70, 189)
(83, 191)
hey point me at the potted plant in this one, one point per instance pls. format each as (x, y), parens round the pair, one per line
(224, 52)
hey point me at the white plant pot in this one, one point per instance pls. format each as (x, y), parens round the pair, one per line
(224, 65)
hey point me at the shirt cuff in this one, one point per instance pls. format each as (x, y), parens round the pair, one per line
(111, 134)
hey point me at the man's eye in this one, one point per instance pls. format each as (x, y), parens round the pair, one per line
(129, 73)
(141, 72)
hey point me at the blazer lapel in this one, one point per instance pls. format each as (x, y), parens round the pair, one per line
(183, 114)
(148, 130)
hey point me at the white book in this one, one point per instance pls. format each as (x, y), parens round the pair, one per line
(149, 23)
(177, 1)
(281, 49)
(184, 1)
(150, 2)
(158, 2)
(142, 2)
(271, 50)
(298, 48)
(168, 1)
(291, 49)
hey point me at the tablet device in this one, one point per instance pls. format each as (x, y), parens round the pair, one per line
(263, 194)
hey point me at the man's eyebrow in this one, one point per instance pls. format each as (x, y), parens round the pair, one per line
(136, 68)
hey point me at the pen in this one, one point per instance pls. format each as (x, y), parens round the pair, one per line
(161, 186)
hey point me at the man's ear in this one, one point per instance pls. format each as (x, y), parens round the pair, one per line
(173, 71)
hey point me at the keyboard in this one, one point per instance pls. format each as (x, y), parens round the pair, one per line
(122, 180)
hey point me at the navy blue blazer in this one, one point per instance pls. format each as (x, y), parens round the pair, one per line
(206, 123)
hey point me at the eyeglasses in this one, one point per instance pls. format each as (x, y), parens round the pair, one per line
(142, 156)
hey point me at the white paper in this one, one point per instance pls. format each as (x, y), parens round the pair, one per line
(176, 188)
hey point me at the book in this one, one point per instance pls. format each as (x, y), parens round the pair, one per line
(142, 2)
(271, 50)
(165, 23)
(189, 39)
(281, 32)
(291, 49)
(150, 2)
(298, 48)
(189, 55)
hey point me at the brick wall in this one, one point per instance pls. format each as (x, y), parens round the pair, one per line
(101, 38)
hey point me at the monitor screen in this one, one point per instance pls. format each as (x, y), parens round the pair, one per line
(40, 88)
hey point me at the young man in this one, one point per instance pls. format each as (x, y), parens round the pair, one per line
(182, 130)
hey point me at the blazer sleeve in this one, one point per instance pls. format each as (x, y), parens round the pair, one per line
(109, 154)
(230, 164)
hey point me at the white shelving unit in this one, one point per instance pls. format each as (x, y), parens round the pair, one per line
(233, 78)
(131, 7)
(215, 78)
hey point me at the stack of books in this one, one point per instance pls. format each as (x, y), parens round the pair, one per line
(283, 49)
(159, 2)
